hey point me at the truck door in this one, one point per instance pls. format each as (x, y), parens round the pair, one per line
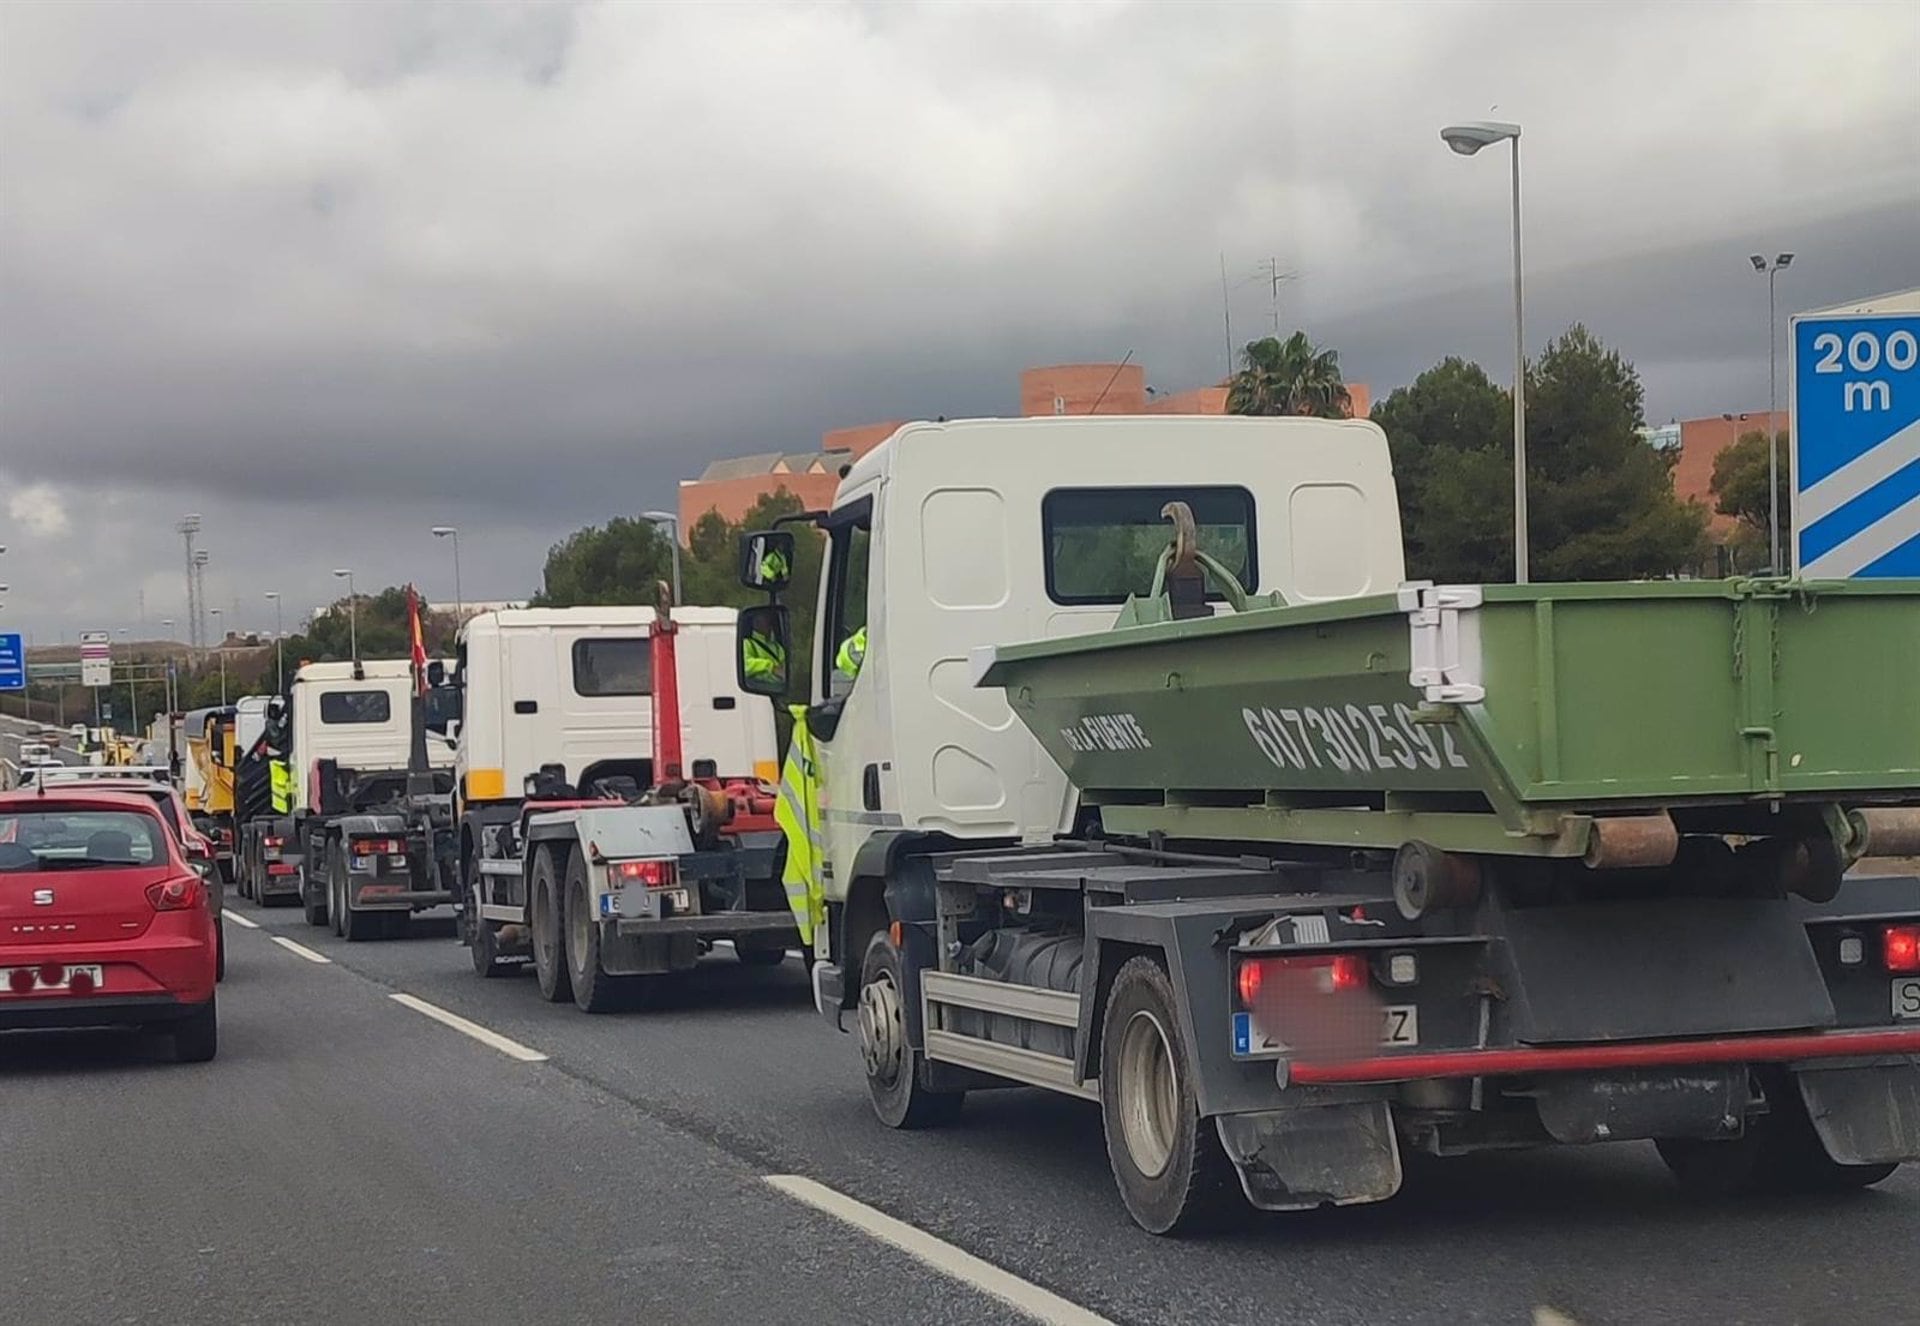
(849, 718)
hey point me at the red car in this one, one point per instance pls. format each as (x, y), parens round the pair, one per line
(103, 920)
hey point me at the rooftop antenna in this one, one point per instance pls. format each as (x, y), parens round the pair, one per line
(1276, 277)
(1117, 368)
(1226, 310)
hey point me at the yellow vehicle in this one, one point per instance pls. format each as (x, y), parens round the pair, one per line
(209, 779)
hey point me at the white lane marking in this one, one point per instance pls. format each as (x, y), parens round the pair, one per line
(1028, 1299)
(491, 1039)
(302, 951)
(238, 919)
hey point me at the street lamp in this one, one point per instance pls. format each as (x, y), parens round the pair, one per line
(353, 614)
(459, 599)
(1466, 139)
(279, 645)
(173, 700)
(672, 522)
(220, 633)
(1771, 270)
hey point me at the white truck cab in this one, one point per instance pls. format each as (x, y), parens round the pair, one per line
(953, 536)
(573, 687)
(356, 715)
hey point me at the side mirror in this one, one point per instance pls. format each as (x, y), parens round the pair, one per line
(436, 673)
(766, 560)
(763, 639)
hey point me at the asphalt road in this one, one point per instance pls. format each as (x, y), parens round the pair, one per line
(346, 1158)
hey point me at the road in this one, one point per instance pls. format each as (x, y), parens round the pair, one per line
(348, 1157)
(13, 731)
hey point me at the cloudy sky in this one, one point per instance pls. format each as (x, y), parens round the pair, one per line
(330, 274)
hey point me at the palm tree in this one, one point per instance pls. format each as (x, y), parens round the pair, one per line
(1288, 377)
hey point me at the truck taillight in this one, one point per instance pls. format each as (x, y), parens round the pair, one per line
(1900, 945)
(652, 874)
(271, 841)
(378, 847)
(1317, 973)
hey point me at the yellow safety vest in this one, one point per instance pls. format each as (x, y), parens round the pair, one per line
(797, 811)
(282, 785)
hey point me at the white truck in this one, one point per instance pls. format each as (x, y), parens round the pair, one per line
(615, 807)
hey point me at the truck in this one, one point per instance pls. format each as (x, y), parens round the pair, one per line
(1160, 786)
(616, 807)
(207, 775)
(369, 842)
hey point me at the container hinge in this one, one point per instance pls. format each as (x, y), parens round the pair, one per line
(1444, 637)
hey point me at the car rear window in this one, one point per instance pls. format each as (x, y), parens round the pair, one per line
(78, 838)
(355, 707)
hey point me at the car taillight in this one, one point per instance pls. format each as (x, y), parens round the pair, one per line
(378, 847)
(176, 895)
(1900, 945)
(653, 874)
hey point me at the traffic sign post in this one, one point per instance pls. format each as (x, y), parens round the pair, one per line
(96, 659)
(1854, 411)
(13, 662)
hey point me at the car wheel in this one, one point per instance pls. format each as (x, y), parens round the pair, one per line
(549, 956)
(220, 950)
(1172, 1172)
(196, 1037)
(893, 1080)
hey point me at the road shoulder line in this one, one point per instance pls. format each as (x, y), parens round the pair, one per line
(1029, 1299)
(492, 1039)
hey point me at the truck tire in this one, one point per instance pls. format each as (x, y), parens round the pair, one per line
(760, 952)
(336, 892)
(352, 926)
(1779, 1153)
(482, 935)
(196, 1038)
(313, 897)
(594, 991)
(1172, 1172)
(893, 1080)
(544, 908)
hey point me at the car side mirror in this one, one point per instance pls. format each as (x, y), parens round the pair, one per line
(766, 560)
(763, 642)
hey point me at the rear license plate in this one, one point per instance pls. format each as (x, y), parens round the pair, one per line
(1399, 1029)
(675, 900)
(1906, 998)
(66, 979)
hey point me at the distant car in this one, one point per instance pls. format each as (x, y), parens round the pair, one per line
(103, 920)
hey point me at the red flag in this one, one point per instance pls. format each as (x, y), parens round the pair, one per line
(418, 642)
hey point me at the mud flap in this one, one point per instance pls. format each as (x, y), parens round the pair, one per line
(1865, 1115)
(1316, 1155)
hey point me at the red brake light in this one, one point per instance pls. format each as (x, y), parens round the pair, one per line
(1308, 973)
(175, 895)
(1247, 981)
(1348, 972)
(271, 841)
(652, 874)
(1901, 947)
(377, 847)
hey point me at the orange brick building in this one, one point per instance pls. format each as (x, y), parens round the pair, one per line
(732, 486)
(1701, 442)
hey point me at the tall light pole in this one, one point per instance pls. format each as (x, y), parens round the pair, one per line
(1772, 270)
(459, 599)
(1466, 139)
(279, 646)
(220, 633)
(173, 700)
(353, 614)
(672, 522)
(199, 609)
(133, 696)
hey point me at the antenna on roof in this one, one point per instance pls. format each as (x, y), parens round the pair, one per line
(1117, 369)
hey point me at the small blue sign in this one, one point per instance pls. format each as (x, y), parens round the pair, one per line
(13, 662)
(1243, 1033)
(1856, 445)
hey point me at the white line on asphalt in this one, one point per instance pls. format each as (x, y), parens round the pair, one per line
(491, 1039)
(1028, 1299)
(301, 950)
(238, 919)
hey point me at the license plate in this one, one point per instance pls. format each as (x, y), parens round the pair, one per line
(66, 978)
(676, 900)
(1906, 998)
(1399, 1029)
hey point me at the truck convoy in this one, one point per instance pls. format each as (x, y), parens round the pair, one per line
(1153, 783)
(615, 799)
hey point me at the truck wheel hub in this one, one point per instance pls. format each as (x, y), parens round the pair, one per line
(882, 1032)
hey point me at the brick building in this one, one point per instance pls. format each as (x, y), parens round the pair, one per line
(732, 486)
(1701, 442)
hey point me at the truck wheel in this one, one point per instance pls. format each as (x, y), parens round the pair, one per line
(593, 989)
(549, 961)
(336, 891)
(1779, 1153)
(1173, 1174)
(760, 953)
(313, 901)
(892, 1065)
(483, 936)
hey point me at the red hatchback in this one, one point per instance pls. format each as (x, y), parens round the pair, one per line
(103, 922)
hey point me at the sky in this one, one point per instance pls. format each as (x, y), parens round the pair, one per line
(329, 275)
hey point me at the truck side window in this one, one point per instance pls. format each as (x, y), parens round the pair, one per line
(608, 666)
(846, 598)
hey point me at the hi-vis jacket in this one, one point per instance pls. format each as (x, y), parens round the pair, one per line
(797, 811)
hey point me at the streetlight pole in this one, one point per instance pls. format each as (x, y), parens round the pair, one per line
(1466, 139)
(220, 634)
(353, 615)
(1771, 270)
(459, 598)
(672, 522)
(279, 646)
(173, 700)
(133, 695)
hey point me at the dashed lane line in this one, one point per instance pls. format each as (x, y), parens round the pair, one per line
(1028, 1299)
(492, 1039)
(238, 919)
(302, 951)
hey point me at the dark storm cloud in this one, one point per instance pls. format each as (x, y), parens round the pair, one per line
(330, 274)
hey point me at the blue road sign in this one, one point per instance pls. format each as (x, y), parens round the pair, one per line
(13, 663)
(1856, 442)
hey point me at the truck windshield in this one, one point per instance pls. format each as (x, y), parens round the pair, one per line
(1102, 543)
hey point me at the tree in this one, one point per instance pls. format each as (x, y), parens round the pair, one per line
(619, 562)
(1739, 487)
(1288, 377)
(1451, 433)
